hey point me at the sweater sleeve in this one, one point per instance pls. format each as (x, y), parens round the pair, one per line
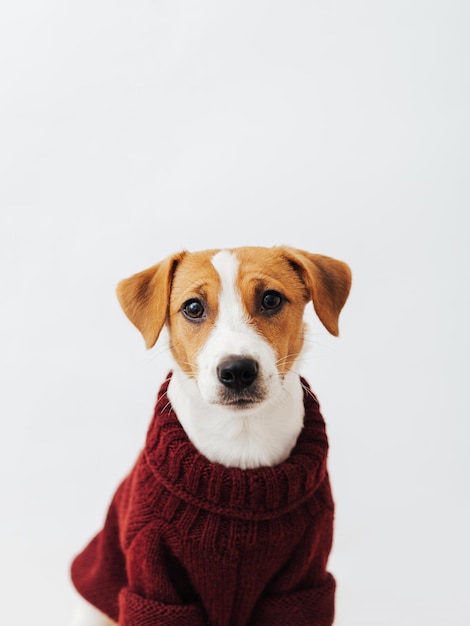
(99, 571)
(127, 570)
(302, 592)
(159, 590)
(305, 607)
(138, 610)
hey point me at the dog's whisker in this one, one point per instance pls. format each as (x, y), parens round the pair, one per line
(192, 366)
(158, 353)
(288, 358)
(308, 391)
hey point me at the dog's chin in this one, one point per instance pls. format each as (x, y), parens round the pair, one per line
(240, 402)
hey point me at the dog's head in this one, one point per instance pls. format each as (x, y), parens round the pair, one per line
(235, 317)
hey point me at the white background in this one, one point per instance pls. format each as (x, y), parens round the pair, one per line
(130, 130)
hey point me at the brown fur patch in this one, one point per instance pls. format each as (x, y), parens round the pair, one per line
(158, 294)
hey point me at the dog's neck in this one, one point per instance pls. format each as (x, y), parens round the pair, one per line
(263, 436)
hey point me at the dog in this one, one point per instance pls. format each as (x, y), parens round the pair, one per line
(226, 518)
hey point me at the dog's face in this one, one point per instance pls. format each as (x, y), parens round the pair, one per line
(235, 323)
(235, 317)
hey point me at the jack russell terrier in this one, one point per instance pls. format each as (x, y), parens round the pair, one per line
(226, 519)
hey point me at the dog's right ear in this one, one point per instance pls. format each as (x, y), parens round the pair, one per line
(144, 297)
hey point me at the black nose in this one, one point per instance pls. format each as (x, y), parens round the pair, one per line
(237, 372)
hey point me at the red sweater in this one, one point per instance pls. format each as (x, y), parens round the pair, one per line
(187, 542)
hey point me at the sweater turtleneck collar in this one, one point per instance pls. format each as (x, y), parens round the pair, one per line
(261, 493)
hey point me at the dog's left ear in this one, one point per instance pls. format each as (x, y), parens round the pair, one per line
(328, 282)
(144, 297)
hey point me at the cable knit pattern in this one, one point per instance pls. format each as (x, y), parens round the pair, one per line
(187, 542)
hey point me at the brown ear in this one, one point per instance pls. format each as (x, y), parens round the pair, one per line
(328, 281)
(145, 296)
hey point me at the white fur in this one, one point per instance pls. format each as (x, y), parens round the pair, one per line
(261, 435)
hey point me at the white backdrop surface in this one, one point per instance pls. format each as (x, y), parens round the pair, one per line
(129, 130)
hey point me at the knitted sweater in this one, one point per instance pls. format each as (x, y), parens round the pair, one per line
(187, 542)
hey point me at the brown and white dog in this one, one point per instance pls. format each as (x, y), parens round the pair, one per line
(236, 329)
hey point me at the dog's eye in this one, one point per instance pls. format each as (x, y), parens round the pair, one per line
(193, 309)
(272, 300)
